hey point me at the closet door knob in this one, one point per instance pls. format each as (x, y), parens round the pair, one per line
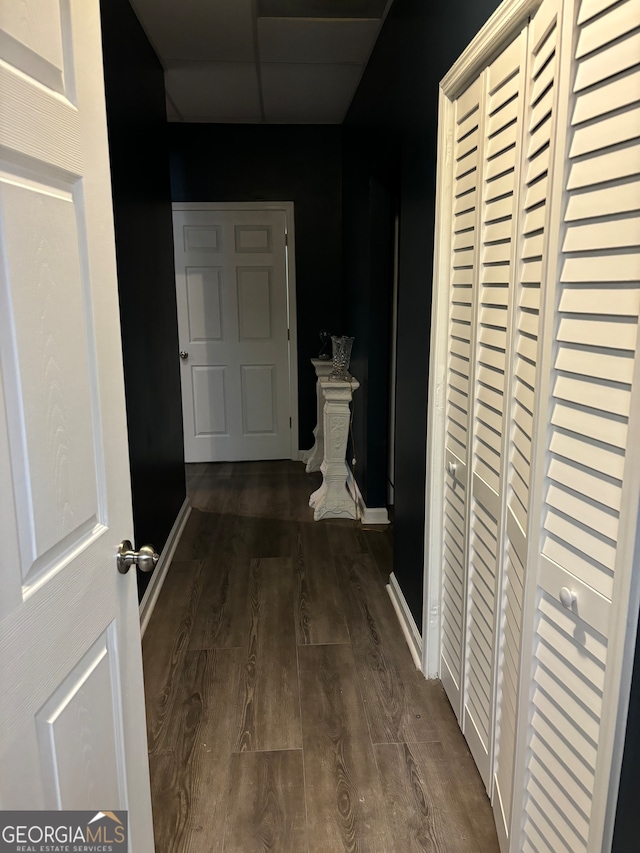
(568, 597)
(451, 469)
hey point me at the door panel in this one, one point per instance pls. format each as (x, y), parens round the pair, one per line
(504, 80)
(596, 300)
(72, 729)
(204, 304)
(540, 95)
(231, 284)
(458, 386)
(88, 692)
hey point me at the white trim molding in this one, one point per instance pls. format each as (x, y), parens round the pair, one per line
(366, 514)
(150, 597)
(508, 18)
(433, 543)
(407, 622)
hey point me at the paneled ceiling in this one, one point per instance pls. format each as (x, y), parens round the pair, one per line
(273, 61)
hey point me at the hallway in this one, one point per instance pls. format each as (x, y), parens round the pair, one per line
(284, 710)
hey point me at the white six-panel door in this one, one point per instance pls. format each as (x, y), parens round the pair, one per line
(72, 727)
(233, 323)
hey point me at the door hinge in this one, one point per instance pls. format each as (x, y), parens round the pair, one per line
(288, 334)
(286, 238)
(290, 423)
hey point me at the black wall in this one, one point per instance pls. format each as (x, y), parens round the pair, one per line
(627, 822)
(298, 163)
(390, 136)
(625, 837)
(136, 122)
(368, 217)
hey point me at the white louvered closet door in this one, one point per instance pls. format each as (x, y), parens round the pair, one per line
(590, 347)
(539, 122)
(465, 202)
(502, 131)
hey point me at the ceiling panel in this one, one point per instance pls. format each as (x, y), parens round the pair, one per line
(308, 93)
(311, 53)
(322, 8)
(214, 91)
(333, 42)
(198, 29)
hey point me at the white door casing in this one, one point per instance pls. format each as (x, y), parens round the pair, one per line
(236, 320)
(72, 727)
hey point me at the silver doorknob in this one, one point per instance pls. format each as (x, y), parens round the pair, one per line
(145, 559)
(184, 354)
(451, 469)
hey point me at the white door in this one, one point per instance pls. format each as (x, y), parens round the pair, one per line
(585, 500)
(465, 193)
(535, 187)
(231, 287)
(501, 131)
(72, 728)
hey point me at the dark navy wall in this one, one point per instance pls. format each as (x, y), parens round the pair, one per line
(390, 136)
(136, 122)
(368, 274)
(627, 823)
(298, 163)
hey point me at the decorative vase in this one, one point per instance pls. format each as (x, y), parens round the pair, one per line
(341, 358)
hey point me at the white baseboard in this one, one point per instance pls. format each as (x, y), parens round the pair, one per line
(368, 515)
(152, 592)
(407, 622)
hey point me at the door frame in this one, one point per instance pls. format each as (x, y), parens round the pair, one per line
(290, 262)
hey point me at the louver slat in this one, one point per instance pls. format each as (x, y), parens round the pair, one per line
(615, 25)
(614, 60)
(590, 8)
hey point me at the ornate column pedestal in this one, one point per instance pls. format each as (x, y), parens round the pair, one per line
(332, 500)
(314, 457)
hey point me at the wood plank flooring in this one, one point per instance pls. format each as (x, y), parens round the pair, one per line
(284, 710)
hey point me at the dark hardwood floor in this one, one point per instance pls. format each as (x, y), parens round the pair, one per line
(284, 710)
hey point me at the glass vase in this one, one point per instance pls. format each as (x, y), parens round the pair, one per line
(341, 358)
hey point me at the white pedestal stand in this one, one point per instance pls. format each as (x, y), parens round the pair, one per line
(314, 457)
(332, 500)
